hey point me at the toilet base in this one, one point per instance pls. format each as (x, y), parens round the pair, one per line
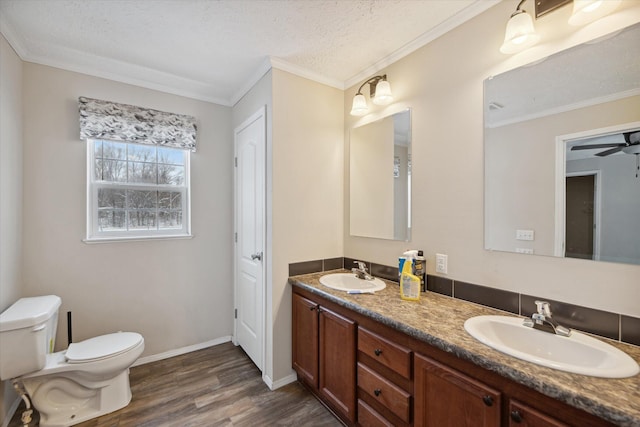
(64, 401)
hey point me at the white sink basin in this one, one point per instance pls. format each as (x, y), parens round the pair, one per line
(578, 353)
(350, 283)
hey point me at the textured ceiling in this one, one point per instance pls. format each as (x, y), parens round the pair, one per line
(215, 50)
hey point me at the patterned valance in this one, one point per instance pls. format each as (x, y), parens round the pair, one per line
(122, 122)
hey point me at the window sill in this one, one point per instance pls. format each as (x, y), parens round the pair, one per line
(97, 240)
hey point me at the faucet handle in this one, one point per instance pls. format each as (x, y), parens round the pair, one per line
(361, 265)
(543, 308)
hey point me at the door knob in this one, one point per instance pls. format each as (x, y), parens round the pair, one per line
(257, 256)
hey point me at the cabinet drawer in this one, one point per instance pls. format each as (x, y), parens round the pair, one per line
(523, 415)
(368, 417)
(392, 355)
(384, 391)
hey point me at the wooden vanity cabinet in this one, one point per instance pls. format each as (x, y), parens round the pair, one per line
(369, 374)
(324, 355)
(445, 397)
(305, 339)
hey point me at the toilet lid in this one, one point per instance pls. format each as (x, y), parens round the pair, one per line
(102, 347)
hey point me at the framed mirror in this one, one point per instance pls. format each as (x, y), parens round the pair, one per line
(380, 178)
(575, 113)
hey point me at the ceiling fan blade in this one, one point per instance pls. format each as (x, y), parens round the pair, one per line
(592, 146)
(611, 151)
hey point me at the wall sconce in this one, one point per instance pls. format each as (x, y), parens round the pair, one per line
(585, 11)
(520, 33)
(379, 92)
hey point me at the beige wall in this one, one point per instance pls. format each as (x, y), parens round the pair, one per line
(442, 83)
(176, 293)
(307, 174)
(10, 191)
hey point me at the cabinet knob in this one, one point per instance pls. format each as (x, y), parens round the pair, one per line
(516, 416)
(377, 351)
(313, 307)
(488, 400)
(377, 392)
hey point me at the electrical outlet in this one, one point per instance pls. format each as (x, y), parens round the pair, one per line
(441, 263)
(524, 251)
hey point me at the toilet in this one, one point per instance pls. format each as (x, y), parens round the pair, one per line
(87, 380)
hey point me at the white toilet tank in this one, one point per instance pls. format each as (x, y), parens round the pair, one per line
(27, 333)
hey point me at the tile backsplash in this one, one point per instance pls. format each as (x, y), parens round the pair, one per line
(616, 326)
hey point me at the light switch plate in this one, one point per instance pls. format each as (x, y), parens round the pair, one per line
(524, 235)
(441, 263)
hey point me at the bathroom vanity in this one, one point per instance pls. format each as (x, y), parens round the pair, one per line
(376, 360)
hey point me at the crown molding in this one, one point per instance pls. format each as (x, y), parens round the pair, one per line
(10, 35)
(283, 65)
(96, 65)
(564, 108)
(262, 69)
(170, 83)
(456, 20)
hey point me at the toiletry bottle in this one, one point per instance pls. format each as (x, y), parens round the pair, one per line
(408, 255)
(419, 268)
(409, 283)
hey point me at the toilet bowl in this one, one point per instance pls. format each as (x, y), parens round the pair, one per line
(87, 380)
(92, 382)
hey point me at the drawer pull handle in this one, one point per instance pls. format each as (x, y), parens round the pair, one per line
(377, 351)
(516, 416)
(488, 400)
(377, 392)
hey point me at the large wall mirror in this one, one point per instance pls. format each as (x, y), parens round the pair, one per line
(562, 153)
(380, 178)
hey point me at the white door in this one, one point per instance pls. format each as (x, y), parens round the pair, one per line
(250, 147)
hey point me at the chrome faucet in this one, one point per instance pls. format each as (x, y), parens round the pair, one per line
(361, 271)
(543, 321)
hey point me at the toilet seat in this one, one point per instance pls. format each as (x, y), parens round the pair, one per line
(102, 347)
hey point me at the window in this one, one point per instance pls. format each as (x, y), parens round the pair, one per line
(136, 191)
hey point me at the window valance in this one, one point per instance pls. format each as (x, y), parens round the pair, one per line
(121, 122)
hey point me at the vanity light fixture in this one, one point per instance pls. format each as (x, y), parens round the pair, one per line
(585, 11)
(379, 92)
(520, 33)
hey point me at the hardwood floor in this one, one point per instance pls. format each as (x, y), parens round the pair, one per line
(217, 386)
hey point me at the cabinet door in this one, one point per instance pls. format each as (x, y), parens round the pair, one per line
(305, 339)
(338, 362)
(445, 397)
(521, 415)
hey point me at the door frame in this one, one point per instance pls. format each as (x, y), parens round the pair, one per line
(260, 114)
(560, 190)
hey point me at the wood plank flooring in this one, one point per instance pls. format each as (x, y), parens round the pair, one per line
(216, 386)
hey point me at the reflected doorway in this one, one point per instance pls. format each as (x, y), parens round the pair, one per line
(580, 219)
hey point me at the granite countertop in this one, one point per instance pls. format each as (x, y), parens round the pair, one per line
(439, 321)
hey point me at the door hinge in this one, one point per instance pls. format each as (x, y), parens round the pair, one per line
(235, 161)
(235, 314)
(235, 237)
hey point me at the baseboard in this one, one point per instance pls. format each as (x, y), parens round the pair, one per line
(280, 383)
(181, 351)
(12, 410)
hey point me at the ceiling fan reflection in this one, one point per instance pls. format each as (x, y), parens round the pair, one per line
(630, 146)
